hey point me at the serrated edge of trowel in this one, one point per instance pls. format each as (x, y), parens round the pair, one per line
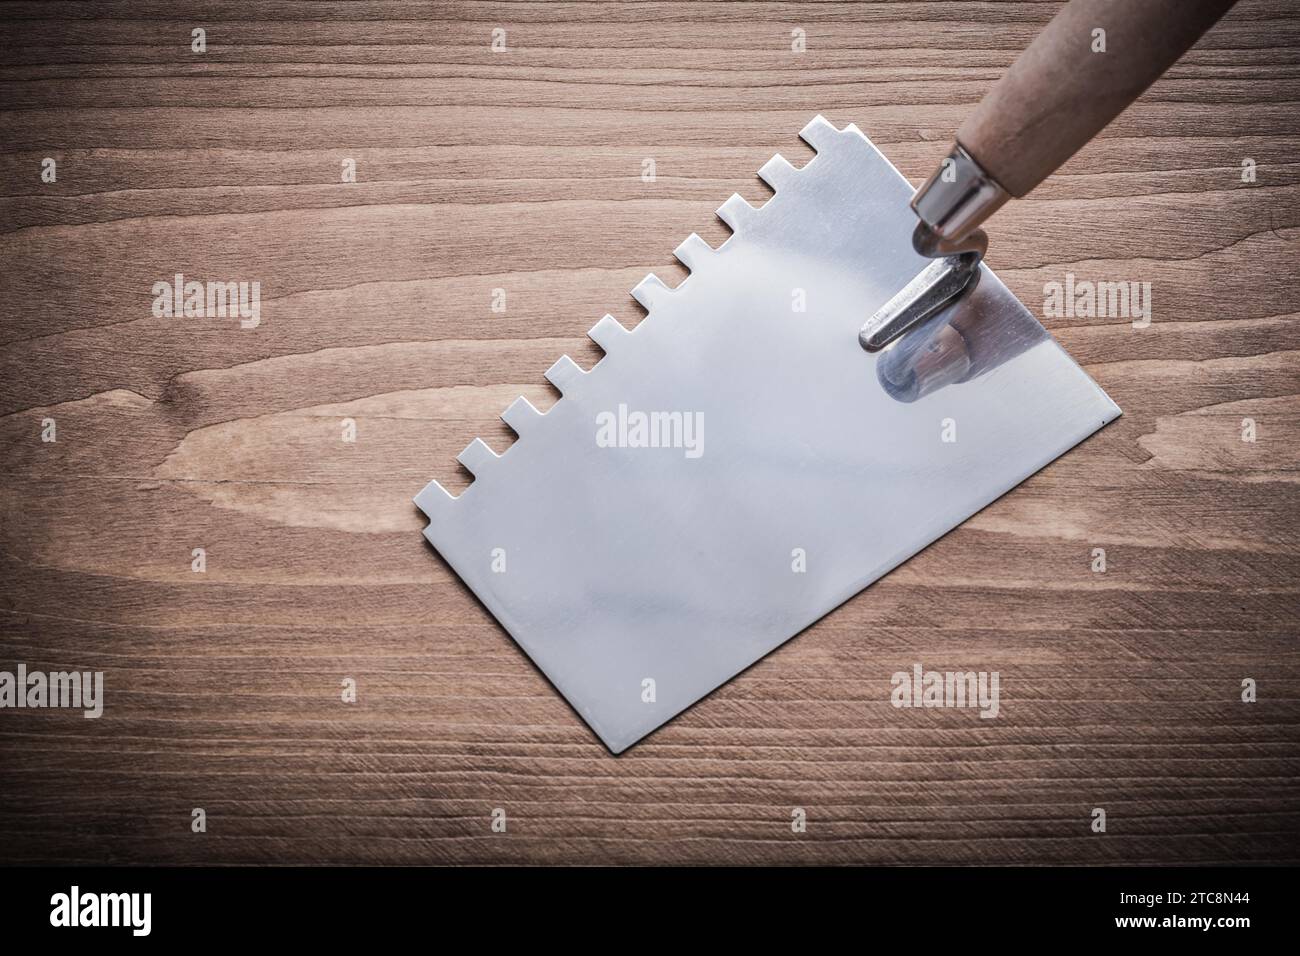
(610, 334)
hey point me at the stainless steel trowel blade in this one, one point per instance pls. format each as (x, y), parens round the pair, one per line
(738, 466)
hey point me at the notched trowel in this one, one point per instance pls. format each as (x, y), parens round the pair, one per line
(737, 467)
(639, 578)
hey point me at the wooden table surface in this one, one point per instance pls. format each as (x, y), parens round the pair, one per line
(522, 170)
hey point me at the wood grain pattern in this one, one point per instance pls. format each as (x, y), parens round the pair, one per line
(521, 170)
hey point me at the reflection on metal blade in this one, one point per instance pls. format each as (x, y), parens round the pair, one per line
(737, 465)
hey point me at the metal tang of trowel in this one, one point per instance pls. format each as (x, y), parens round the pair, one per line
(735, 467)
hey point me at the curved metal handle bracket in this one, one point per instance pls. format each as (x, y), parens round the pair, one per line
(954, 272)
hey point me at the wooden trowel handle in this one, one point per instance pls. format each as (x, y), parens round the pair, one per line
(1094, 59)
